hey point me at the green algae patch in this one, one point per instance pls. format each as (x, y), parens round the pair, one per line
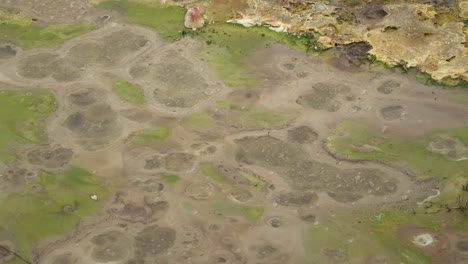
(248, 211)
(211, 173)
(224, 104)
(357, 141)
(22, 119)
(61, 202)
(226, 47)
(264, 118)
(198, 122)
(129, 92)
(167, 20)
(170, 179)
(152, 135)
(337, 237)
(18, 30)
(252, 212)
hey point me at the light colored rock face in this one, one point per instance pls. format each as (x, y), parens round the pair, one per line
(428, 37)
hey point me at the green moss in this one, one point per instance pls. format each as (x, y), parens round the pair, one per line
(170, 179)
(252, 212)
(167, 20)
(129, 92)
(249, 212)
(376, 230)
(253, 181)
(210, 172)
(18, 30)
(264, 118)
(32, 216)
(413, 154)
(151, 135)
(22, 119)
(225, 104)
(198, 122)
(226, 48)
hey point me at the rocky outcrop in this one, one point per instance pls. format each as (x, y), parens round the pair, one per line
(194, 17)
(429, 37)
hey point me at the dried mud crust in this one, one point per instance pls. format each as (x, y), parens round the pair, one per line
(50, 158)
(303, 173)
(323, 96)
(52, 11)
(104, 51)
(94, 126)
(173, 80)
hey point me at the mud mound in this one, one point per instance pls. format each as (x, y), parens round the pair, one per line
(303, 173)
(302, 134)
(323, 96)
(175, 81)
(108, 50)
(392, 112)
(7, 51)
(296, 198)
(388, 87)
(110, 246)
(179, 162)
(50, 157)
(154, 240)
(451, 148)
(95, 126)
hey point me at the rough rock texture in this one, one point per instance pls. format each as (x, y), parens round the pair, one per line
(430, 36)
(194, 17)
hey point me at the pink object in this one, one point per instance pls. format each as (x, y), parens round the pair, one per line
(194, 17)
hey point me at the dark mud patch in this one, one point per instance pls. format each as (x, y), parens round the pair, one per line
(139, 207)
(51, 158)
(334, 254)
(179, 162)
(110, 246)
(355, 53)
(8, 51)
(303, 173)
(392, 112)
(107, 51)
(323, 96)
(302, 134)
(296, 198)
(85, 96)
(95, 126)
(388, 87)
(17, 175)
(154, 162)
(43, 65)
(154, 240)
(175, 80)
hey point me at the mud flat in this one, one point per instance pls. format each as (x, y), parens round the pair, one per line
(144, 142)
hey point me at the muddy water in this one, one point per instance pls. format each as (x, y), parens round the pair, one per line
(243, 176)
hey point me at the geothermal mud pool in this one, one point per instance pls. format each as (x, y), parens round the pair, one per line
(122, 144)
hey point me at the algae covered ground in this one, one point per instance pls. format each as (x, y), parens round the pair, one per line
(23, 117)
(127, 138)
